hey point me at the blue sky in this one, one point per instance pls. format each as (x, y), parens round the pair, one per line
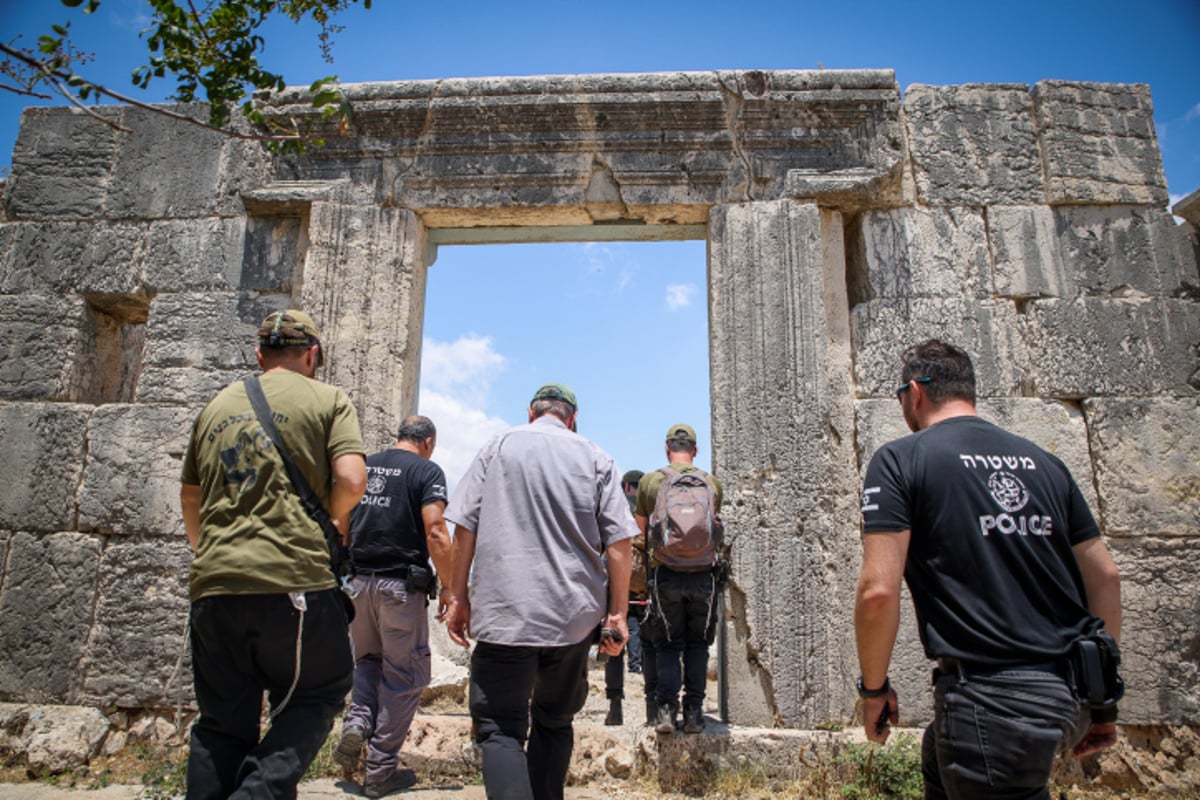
(625, 324)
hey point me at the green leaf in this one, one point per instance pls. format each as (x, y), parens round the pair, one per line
(72, 3)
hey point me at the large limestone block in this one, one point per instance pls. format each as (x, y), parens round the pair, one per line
(138, 651)
(781, 372)
(46, 614)
(167, 168)
(73, 257)
(131, 481)
(1098, 143)
(1100, 346)
(988, 330)
(919, 252)
(364, 284)
(195, 255)
(973, 144)
(196, 344)
(52, 739)
(1026, 258)
(1147, 454)
(41, 338)
(41, 452)
(62, 163)
(1159, 634)
(1124, 250)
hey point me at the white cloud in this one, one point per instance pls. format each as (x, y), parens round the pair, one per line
(1192, 113)
(679, 295)
(456, 379)
(465, 366)
(462, 430)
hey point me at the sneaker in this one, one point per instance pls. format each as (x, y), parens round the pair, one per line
(615, 714)
(693, 720)
(349, 748)
(665, 719)
(398, 780)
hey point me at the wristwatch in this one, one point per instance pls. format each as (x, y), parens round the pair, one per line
(868, 694)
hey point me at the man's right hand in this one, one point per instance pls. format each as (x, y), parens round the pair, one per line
(879, 714)
(458, 619)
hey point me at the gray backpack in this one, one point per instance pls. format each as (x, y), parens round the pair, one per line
(685, 533)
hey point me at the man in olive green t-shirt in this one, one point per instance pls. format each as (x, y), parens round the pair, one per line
(266, 615)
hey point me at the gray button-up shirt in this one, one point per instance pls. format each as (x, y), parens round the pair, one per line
(544, 503)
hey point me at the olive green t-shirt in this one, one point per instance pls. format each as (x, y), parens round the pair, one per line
(255, 537)
(647, 495)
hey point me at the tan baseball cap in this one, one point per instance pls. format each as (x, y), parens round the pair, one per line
(291, 328)
(681, 431)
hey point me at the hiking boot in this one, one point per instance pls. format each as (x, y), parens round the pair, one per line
(349, 748)
(651, 712)
(693, 720)
(665, 719)
(615, 715)
(400, 779)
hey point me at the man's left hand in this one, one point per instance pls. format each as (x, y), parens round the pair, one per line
(616, 623)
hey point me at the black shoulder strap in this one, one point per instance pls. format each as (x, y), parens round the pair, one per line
(308, 498)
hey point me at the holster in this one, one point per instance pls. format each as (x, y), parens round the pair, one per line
(1092, 664)
(421, 581)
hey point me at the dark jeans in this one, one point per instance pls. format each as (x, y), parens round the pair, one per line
(995, 736)
(243, 645)
(510, 686)
(685, 624)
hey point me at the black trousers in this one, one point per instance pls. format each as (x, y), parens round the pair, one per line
(510, 686)
(243, 645)
(685, 624)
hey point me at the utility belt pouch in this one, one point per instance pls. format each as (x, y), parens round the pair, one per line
(420, 581)
(1092, 663)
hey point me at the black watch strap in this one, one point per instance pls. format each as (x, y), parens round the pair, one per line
(868, 694)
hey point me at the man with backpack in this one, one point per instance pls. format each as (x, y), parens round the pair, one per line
(677, 513)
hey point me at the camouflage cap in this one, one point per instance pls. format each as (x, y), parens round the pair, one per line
(681, 431)
(290, 328)
(556, 391)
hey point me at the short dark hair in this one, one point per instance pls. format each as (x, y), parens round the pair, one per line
(680, 445)
(949, 369)
(548, 405)
(416, 429)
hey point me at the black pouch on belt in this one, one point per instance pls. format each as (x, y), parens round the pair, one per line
(1092, 663)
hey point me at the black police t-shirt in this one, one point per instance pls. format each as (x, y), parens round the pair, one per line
(387, 531)
(993, 519)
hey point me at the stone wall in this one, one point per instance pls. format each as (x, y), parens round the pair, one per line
(1027, 225)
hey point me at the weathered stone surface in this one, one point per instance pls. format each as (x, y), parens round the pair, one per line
(65, 257)
(364, 284)
(196, 344)
(1026, 258)
(138, 651)
(131, 478)
(781, 371)
(62, 163)
(273, 252)
(195, 255)
(1097, 347)
(40, 339)
(1098, 143)
(1124, 250)
(46, 615)
(919, 252)
(973, 145)
(1147, 458)
(988, 330)
(1160, 641)
(662, 148)
(46, 442)
(53, 739)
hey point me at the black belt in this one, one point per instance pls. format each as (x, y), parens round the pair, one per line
(390, 572)
(950, 666)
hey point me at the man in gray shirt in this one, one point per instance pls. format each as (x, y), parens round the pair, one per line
(539, 513)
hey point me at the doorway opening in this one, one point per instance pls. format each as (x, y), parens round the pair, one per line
(624, 324)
